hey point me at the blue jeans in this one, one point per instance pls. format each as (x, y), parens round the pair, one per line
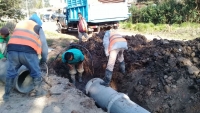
(17, 59)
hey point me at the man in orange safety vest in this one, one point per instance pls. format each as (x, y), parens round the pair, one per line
(114, 45)
(26, 43)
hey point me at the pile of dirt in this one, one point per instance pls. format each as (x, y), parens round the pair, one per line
(62, 97)
(162, 75)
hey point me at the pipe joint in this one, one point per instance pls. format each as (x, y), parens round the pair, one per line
(111, 100)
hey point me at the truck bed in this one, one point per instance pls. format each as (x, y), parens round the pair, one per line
(96, 11)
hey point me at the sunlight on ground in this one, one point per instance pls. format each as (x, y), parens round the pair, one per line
(1, 89)
(56, 109)
(55, 35)
(170, 32)
(38, 105)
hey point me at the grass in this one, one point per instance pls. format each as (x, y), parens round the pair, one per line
(2, 24)
(186, 30)
(53, 36)
(50, 42)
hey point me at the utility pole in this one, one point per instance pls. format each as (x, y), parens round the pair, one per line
(27, 9)
(43, 3)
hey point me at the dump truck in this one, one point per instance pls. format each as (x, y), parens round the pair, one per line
(97, 13)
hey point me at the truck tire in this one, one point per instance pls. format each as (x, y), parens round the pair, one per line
(64, 30)
(115, 27)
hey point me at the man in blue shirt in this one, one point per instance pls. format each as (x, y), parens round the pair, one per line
(74, 57)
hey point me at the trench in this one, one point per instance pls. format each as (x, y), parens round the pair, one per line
(96, 69)
(157, 72)
(86, 77)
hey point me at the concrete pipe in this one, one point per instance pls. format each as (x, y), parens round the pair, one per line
(110, 100)
(23, 82)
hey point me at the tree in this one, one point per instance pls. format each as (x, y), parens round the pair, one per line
(11, 8)
(38, 4)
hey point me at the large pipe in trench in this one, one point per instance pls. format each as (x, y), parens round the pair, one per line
(110, 100)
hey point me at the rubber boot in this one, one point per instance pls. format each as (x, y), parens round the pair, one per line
(80, 77)
(107, 78)
(8, 87)
(73, 79)
(122, 67)
(37, 81)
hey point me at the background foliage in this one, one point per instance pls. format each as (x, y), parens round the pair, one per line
(165, 12)
(11, 9)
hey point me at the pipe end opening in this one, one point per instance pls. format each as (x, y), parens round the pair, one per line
(24, 82)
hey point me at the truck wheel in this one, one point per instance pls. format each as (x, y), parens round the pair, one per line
(115, 27)
(64, 30)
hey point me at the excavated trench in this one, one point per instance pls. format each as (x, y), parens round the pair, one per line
(162, 75)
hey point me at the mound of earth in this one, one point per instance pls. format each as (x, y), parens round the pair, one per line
(162, 75)
(62, 97)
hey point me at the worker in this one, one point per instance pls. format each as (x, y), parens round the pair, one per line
(26, 43)
(4, 38)
(74, 58)
(58, 24)
(114, 44)
(82, 28)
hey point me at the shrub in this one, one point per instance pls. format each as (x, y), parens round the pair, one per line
(168, 12)
(10, 26)
(2, 24)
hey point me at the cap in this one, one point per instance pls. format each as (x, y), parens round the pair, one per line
(36, 19)
(4, 31)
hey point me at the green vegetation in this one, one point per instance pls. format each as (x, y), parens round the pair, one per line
(11, 9)
(10, 26)
(2, 24)
(168, 12)
(171, 18)
(144, 27)
(52, 36)
(186, 30)
(50, 42)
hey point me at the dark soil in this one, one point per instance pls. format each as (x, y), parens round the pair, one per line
(162, 75)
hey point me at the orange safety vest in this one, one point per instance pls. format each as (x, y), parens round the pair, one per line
(24, 34)
(114, 38)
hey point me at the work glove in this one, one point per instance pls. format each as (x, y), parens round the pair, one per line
(107, 53)
(42, 62)
(43, 68)
(70, 66)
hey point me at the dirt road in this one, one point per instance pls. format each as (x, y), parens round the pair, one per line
(63, 97)
(51, 27)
